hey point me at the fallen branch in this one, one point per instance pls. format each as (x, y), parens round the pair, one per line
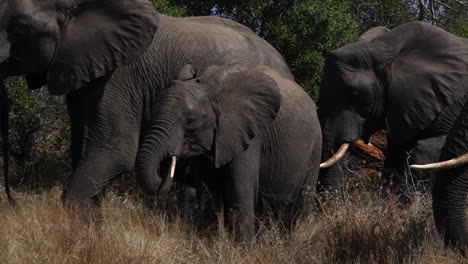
(368, 149)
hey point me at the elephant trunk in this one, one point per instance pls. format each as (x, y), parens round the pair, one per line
(157, 155)
(338, 133)
(5, 108)
(450, 198)
(450, 192)
(330, 176)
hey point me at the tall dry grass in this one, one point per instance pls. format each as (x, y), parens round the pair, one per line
(360, 228)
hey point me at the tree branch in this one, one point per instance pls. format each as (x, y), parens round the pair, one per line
(421, 10)
(449, 7)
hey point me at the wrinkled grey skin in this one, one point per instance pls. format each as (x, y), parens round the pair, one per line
(111, 58)
(258, 130)
(450, 191)
(427, 150)
(409, 80)
(372, 33)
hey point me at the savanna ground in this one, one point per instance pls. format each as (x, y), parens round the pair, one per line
(361, 227)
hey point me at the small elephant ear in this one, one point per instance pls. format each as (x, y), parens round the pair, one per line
(186, 73)
(100, 36)
(248, 102)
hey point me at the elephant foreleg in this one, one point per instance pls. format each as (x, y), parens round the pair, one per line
(91, 175)
(75, 113)
(396, 174)
(240, 186)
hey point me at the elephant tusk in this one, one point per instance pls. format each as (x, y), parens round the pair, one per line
(336, 157)
(444, 165)
(173, 166)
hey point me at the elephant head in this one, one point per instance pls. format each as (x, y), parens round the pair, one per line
(450, 191)
(400, 80)
(67, 44)
(215, 115)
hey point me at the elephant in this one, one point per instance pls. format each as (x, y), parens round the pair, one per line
(257, 131)
(111, 58)
(410, 80)
(450, 190)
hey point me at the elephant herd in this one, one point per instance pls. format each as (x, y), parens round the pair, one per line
(146, 91)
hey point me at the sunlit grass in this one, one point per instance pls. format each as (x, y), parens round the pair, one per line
(362, 228)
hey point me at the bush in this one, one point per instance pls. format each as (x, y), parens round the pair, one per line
(39, 135)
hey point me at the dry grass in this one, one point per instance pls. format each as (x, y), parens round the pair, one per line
(362, 228)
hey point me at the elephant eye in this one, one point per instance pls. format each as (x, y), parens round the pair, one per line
(190, 120)
(21, 28)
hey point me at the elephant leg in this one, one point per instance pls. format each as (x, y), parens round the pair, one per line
(105, 134)
(189, 199)
(76, 115)
(240, 187)
(91, 175)
(205, 178)
(396, 176)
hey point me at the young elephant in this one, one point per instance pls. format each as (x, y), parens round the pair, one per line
(259, 132)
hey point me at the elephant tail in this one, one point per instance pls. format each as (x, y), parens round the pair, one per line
(5, 112)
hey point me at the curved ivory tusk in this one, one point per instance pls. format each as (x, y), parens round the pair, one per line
(444, 165)
(173, 166)
(336, 157)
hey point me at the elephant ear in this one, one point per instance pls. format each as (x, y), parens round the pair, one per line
(186, 73)
(429, 74)
(248, 102)
(99, 36)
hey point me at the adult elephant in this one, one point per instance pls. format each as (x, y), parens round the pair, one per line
(450, 190)
(258, 131)
(410, 80)
(111, 58)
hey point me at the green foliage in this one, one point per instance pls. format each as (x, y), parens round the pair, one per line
(24, 119)
(452, 15)
(39, 135)
(389, 13)
(307, 33)
(167, 8)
